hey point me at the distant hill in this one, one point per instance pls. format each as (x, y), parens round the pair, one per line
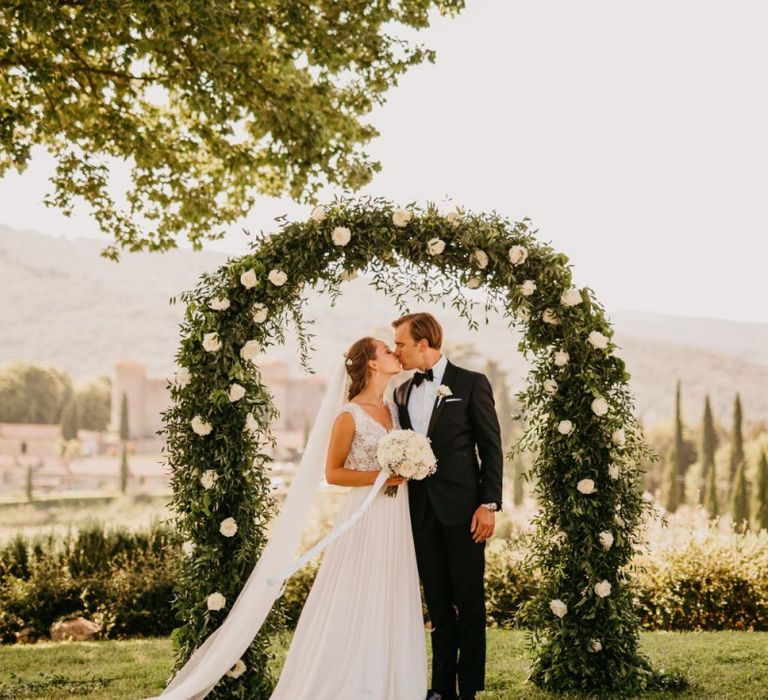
(64, 305)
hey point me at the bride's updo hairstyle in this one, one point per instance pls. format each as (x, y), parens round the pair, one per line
(357, 364)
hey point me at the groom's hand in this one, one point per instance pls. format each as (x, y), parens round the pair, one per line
(483, 524)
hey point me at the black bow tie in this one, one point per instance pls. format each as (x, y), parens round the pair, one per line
(419, 377)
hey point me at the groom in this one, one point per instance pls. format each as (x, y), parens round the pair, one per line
(453, 511)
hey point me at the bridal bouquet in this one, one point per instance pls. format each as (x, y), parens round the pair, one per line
(405, 453)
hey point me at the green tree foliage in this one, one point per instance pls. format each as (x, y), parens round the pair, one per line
(761, 493)
(210, 103)
(70, 420)
(94, 403)
(518, 487)
(29, 488)
(708, 447)
(710, 494)
(124, 471)
(681, 463)
(740, 497)
(33, 394)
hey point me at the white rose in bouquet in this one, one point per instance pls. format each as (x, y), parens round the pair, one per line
(606, 539)
(603, 589)
(236, 392)
(219, 304)
(570, 297)
(435, 246)
(480, 258)
(212, 342)
(518, 254)
(598, 340)
(405, 453)
(208, 479)
(238, 669)
(248, 279)
(250, 350)
(260, 313)
(228, 527)
(341, 235)
(558, 607)
(277, 277)
(216, 601)
(200, 427)
(401, 217)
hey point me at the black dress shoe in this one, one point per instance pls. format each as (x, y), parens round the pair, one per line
(431, 695)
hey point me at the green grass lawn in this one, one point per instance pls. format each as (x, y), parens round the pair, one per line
(719, 665)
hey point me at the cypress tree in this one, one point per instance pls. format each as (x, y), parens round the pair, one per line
(123, 467)
(680, 464)
(708, 447)
(761, 494)
(739, 498)
(670, 487)
(124, 430)
(710, 493)
(30, 495)
(737, 439)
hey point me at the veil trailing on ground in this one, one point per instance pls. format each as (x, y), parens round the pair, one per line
(229, 641)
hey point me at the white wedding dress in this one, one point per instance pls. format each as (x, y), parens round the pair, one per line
(361, 634)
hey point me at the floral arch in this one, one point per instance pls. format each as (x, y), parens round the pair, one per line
(577, 406)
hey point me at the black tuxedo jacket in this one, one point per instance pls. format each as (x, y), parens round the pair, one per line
(466, 439)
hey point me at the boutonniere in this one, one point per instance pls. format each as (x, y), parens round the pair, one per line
(442, 392)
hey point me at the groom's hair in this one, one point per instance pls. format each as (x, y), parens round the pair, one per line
(423, 326)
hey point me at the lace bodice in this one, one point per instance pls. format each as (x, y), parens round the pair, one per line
(368, 432)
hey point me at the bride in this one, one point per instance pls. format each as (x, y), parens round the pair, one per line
(360, 634)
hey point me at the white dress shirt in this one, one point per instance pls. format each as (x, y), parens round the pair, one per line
(422, 398)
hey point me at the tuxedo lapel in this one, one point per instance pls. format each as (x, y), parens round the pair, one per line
(405, 391)
(439, 406)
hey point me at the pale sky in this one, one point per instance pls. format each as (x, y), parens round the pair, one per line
(633, 134)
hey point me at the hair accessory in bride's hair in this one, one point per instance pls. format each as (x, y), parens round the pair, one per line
(348, 361)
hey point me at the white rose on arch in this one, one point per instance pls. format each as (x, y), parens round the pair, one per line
(318, 214)
(208, 479)
(216, 601)
(598, 340)
(558, 608)
(606, 539)
(248, 279)
(277, 277)
(527, 288)
(522, 314)
(565, 427)
(401, 217)
(251, 423)
(571, 297)
(228, 527)
(480, 258)
(236, 392)
(518, 254)
(238, 669)
(260, 313)
(435, 246)
(618, 437)
(182, 377)
(474, 283)
(550, 386)
(586, 486)
(550, 317)
(613, 471)
(200, 427)
(561, 358)
(250, 350)
(595, 645)
(603, 589)
(453, 217)
(600, 406)
(341, 235)
(219, 304)
(212, 342)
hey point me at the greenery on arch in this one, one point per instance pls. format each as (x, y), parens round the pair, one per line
(578, 409)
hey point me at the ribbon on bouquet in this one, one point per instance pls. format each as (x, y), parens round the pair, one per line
(333, 535)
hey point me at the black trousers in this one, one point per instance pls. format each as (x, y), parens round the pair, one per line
(451, 567)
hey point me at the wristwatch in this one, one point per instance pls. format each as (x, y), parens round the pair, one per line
(490, 506)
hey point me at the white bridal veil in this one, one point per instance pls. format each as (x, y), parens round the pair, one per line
(264, 586)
